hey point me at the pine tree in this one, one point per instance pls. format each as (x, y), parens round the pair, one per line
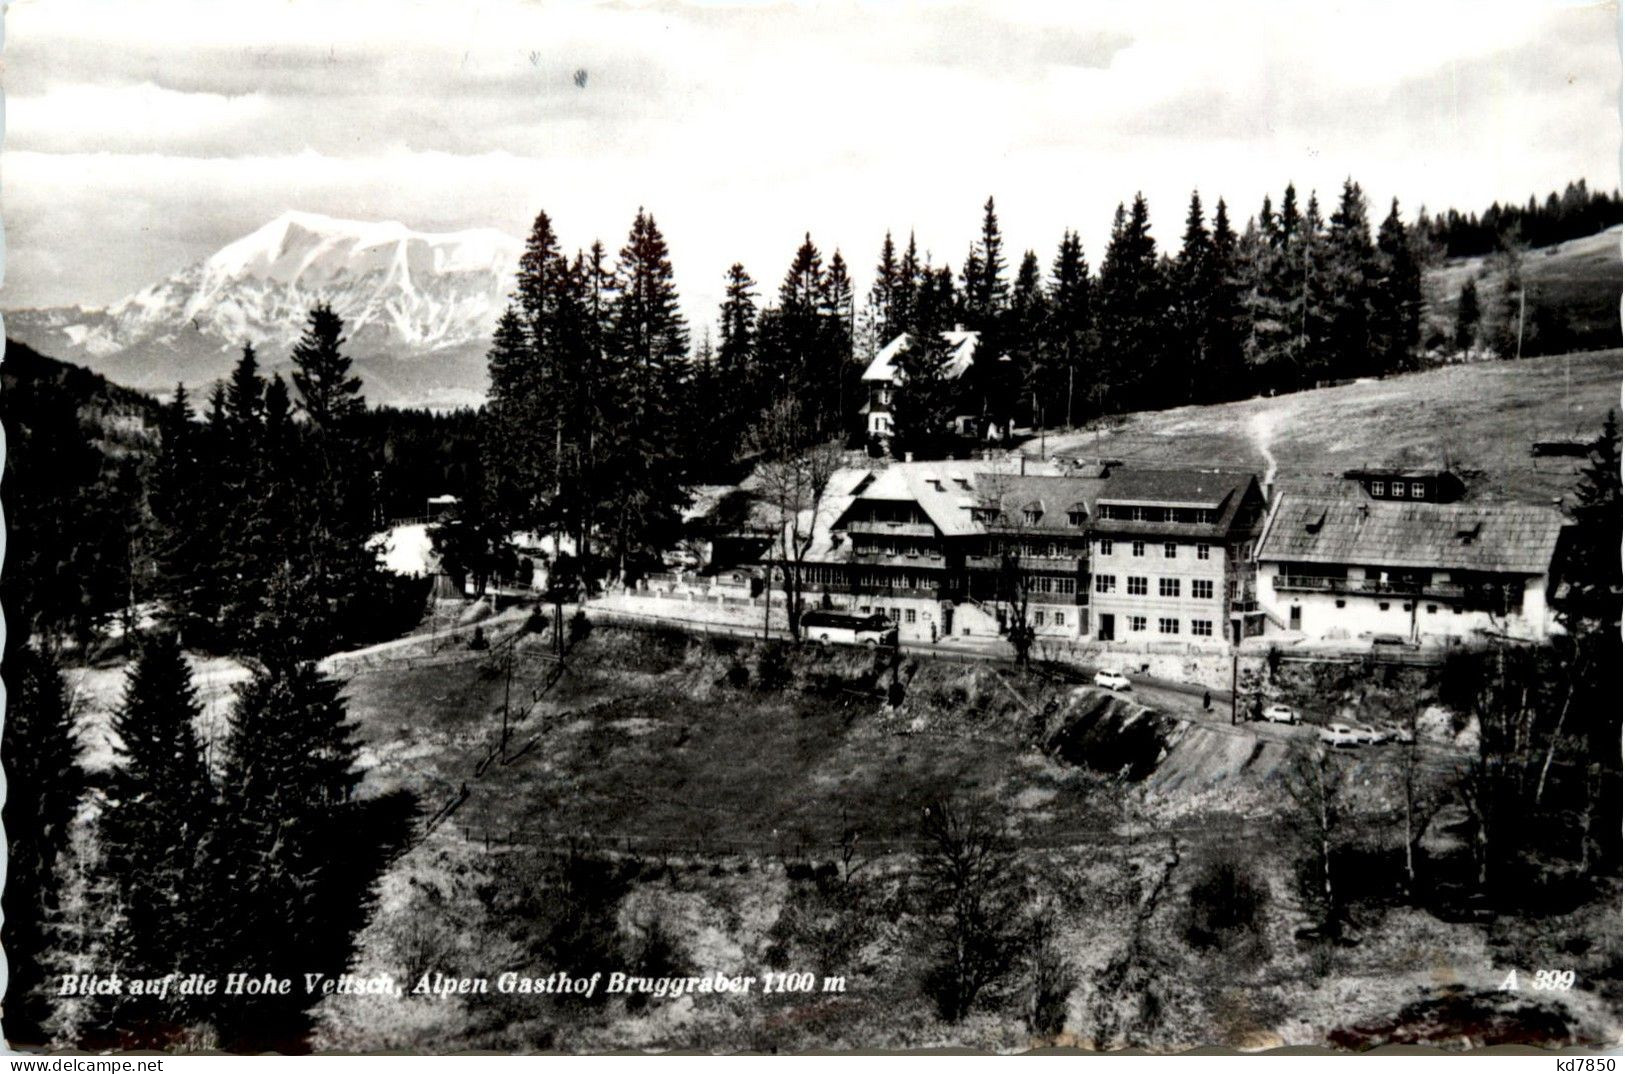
(157, 821)
(44, 785)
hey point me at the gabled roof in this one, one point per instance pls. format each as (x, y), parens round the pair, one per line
(1053, 496)
(947, 490)
(1492, 537)
(961, 353)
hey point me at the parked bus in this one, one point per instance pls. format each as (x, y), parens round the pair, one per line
(839, 627)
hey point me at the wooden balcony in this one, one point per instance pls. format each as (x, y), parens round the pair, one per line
(891, 529)
(1369, 587)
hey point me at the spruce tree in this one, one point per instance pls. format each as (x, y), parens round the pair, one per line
(1189, 368)
(1023, 334)
(44, 785)
(157, 823)
(1133, 305)
(1592, 567)
(1069, 335)
(1226, 328)
(1396, 296)
(1351, 343)
(299, 854)
(329, 395)
(883, 295)
(738, 376)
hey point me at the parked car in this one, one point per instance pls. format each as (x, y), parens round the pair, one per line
(1112, 680)
(1340, 734)
(1391, 641)
(1280, 714)
(1368, 733)
(1402, 735)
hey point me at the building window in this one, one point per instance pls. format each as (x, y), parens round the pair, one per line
(863, 609)
(1067, 586)
(1406, 606)
(1032, 516)
(1342, 603)
(1139, 548)
(1136, 622)
(1075, 518)
(1167, 587)
(1202, 628)
(1136, 586)
(1105, 583)
(1418, 490)
(1060, 619)
(908, 616)
(1202, 588)
(1382, 606)
(1379, 488)
(1201, 551)
(1170, 550)
(1433, 609)
(1105, 547)
(1038, 619)
(1167, 626)
(893, 613)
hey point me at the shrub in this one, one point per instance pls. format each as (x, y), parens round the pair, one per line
(738, 676)
(580, 626)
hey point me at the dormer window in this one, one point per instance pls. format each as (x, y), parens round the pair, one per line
(1379, 488)
(1418, 490)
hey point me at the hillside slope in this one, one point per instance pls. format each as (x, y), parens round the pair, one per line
(1481, 416)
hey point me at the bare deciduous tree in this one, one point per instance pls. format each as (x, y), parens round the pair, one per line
(971, 888)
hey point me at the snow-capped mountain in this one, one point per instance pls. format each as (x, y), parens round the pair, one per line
(418, 309)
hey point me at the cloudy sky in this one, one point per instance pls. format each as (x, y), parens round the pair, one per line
(140, 137)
